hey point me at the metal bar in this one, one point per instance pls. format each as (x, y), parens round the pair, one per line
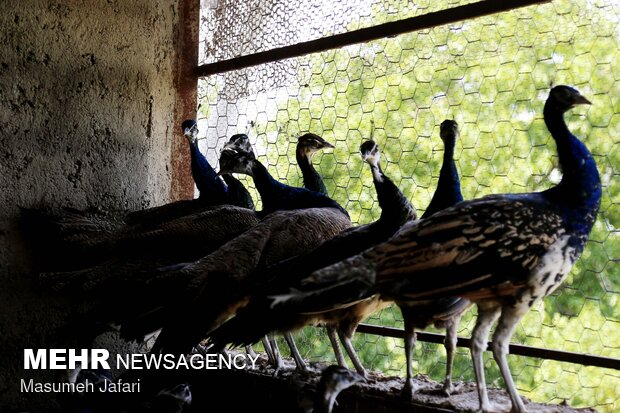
(517, 349)
(425, 21)
(186, 88)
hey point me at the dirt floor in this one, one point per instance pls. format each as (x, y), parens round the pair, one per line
(287, 391)
(382, 393)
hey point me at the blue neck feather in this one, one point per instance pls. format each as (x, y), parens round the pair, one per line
(312, 179)
(278, 196)
(578, 195)
(396, 209)
(208, 183)
(237, 193)
(268, 187)
(448, 191)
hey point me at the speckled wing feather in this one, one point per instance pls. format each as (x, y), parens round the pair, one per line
(477, 247)
(192, 236)
(338, 286)
(152, 217)
(216, 288)
(181, 240)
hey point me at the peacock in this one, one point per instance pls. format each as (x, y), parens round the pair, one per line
(209, 184)
(307, 145)
(213, 190)
(442, 312)
(502, 252)
(236, 158)
(151, 299)
(246, 328)
(72, 239)
(313, 218)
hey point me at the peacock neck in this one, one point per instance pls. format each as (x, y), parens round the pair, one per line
(278, 196)
(395, 207)
(237, 193)
(312, 179)
(270, 189)
(207, 181)
(578, 194)
(265, 183)
(448, 176)
(448, 191)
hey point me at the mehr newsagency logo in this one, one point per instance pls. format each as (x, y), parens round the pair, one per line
(99, 360)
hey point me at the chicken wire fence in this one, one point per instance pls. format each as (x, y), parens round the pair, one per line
(492, 75)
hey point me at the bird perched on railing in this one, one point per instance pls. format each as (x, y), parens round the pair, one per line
(307, 145)
(503, 252)
(294, 273)
(441, 312)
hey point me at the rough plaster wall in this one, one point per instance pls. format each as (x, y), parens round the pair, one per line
(87, 97)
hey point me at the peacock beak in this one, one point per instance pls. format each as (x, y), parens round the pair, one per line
(580, 100)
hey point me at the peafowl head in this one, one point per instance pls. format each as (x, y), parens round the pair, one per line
(240, 142)
(190, 130)
(335, 379)
(563, 98)
(370, 153)
(310, 143)
(237, 156)
(233, 160)
(448, 131)
(175, 398)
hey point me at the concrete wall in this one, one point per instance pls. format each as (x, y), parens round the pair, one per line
(87, 97)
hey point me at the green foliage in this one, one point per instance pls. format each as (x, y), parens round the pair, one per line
(491, 75)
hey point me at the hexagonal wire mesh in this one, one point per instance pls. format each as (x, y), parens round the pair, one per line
(492, 75)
